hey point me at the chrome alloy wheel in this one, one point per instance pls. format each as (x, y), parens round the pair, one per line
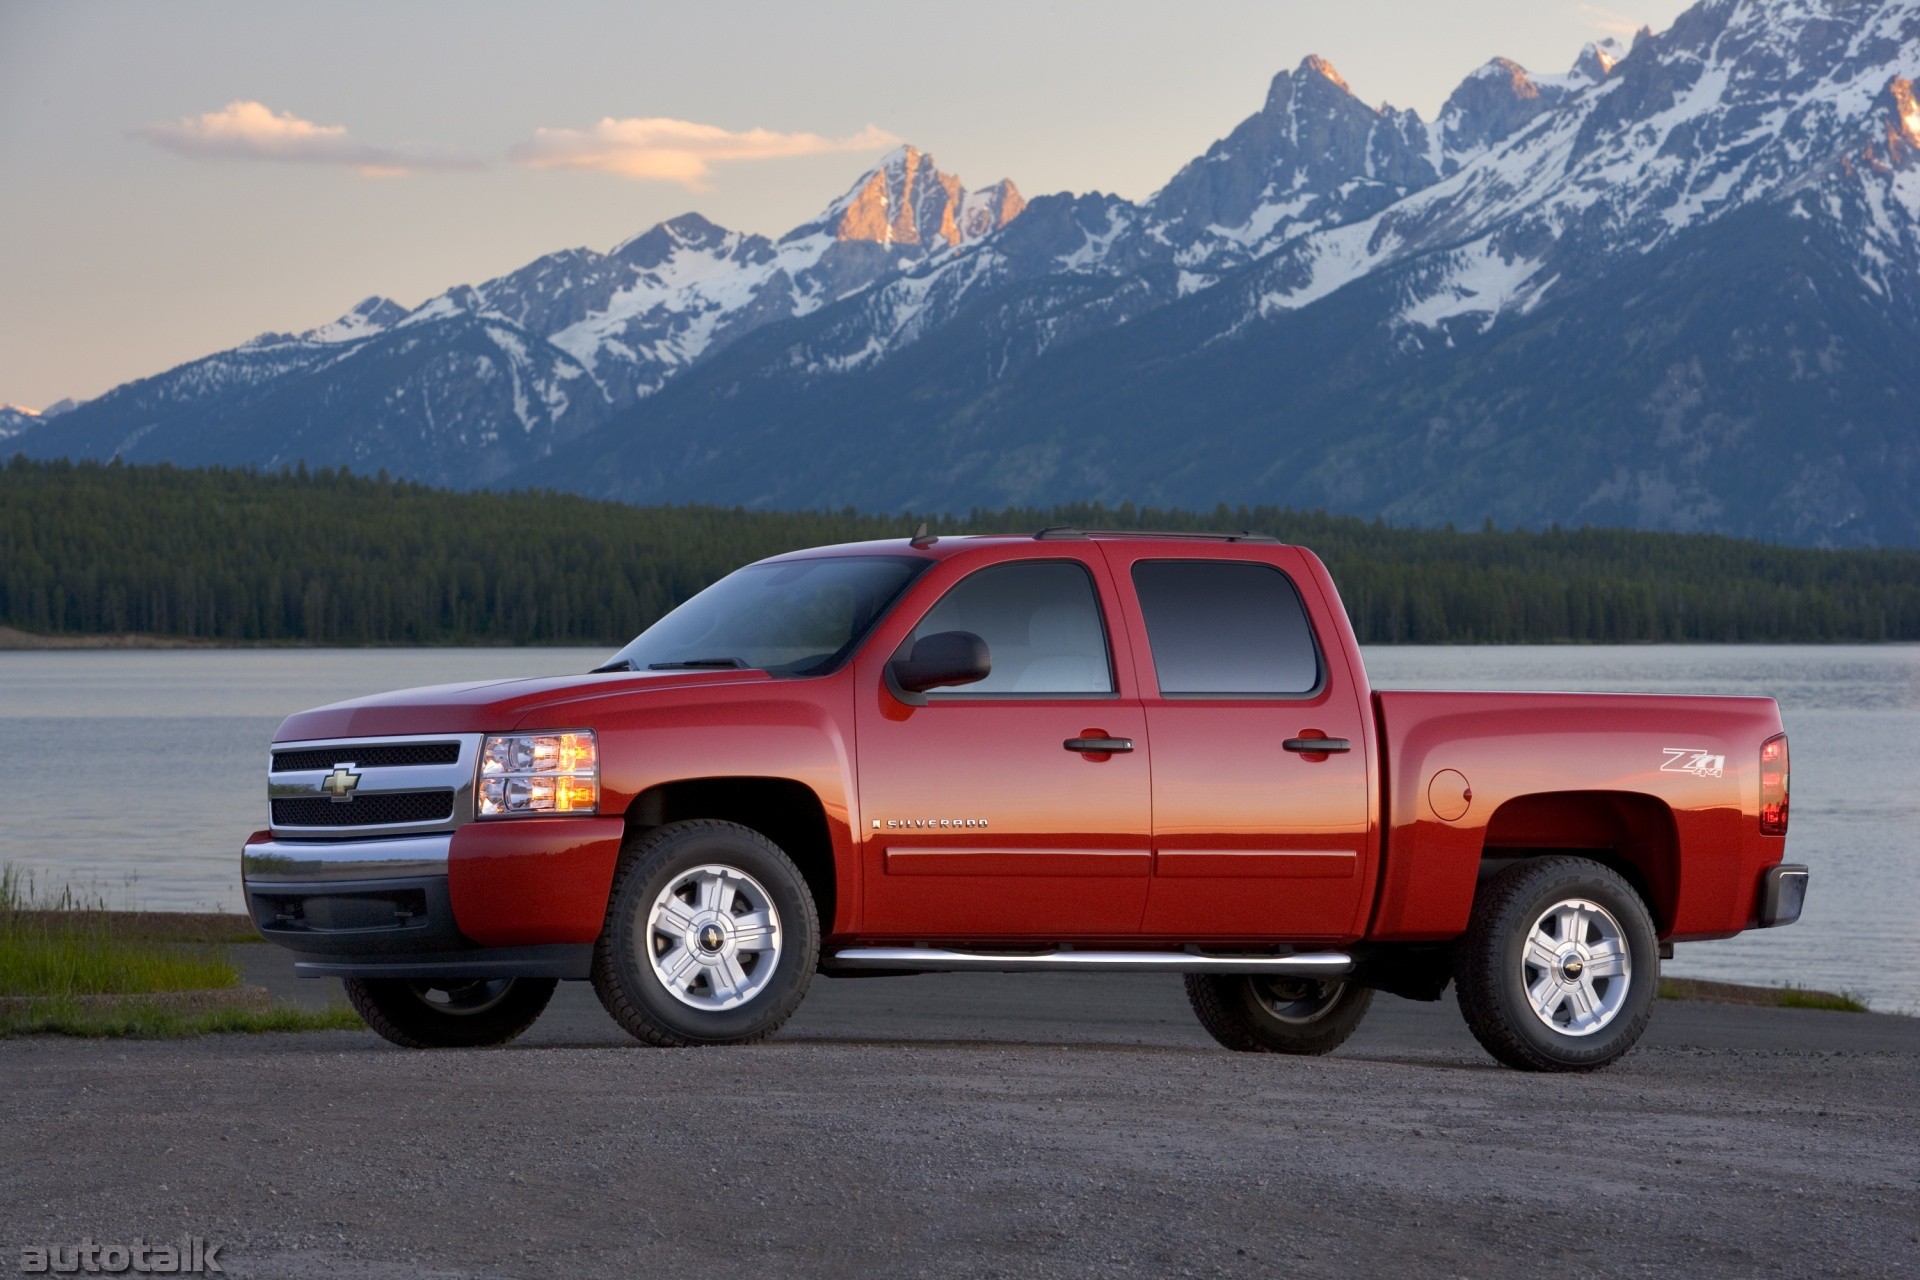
(714, 937)
(1298, 1000)
(1575, 967)
(462, 999)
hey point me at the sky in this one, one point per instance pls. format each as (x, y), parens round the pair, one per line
(177, 178)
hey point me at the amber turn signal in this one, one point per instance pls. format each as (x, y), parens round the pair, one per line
(524, 775)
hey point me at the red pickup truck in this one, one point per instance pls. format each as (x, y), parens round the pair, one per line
(1075, 750)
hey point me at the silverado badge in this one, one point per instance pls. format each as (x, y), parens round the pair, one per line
(927, 824)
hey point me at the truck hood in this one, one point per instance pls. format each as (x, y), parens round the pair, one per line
(488, 705)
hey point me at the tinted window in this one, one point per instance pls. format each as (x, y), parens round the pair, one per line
(788, 618)
(1223, 628)
(1041, 622)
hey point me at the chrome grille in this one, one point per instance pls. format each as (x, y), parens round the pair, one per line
(389, 808)
(387, 786)
(368, 755)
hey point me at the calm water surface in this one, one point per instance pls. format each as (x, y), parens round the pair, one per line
(138, 774)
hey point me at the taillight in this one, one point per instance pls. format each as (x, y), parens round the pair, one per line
(1774, 782)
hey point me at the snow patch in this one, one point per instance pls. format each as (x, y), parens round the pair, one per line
(1478, 280)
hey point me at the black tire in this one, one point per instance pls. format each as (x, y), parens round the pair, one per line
(1494, 976)
(459, 1015)
(1255, 1014)
(642, 1001)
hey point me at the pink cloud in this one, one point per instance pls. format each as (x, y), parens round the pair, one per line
(247, 130)
(665, 150)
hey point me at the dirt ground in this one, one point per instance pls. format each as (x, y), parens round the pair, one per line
(979, 1125)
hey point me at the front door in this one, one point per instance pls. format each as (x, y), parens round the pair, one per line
(1252, 840)
(985, 813)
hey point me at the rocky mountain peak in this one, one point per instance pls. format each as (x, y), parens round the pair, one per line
(906, 201)
(1598, 59)
(1313, 81)
(366, 318)
(1313, 155)
(985, 211)
(659, 242)
(1494, 102)
(1315, 65)
(16, 419)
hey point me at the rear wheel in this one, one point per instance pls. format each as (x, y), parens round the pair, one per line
(711, 937)
(449, 1015)
(1559, 966)
(1255, 1014)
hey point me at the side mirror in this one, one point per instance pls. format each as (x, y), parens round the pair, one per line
(945, 658)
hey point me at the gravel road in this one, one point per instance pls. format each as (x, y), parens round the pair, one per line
(980, 1125)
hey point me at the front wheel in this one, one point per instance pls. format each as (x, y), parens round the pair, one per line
(1559, 966)
(449, 1015)
(1277, 1015)
(711, 937)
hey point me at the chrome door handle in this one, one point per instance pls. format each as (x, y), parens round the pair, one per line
(1101, 746)
(1317, 746)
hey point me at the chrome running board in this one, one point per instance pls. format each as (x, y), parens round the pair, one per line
(934, 960)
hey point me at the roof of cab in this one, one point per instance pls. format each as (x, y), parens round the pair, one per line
(939, 546)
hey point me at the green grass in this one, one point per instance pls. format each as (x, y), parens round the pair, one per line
(1803, 998)
(1787, 997)
(56, 948)
(136, 1022)
(79, 963)
(66, 945)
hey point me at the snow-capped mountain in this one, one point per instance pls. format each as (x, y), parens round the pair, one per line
(660, 302)
(1676, 285)
(1313, 157)
(483, 378)
(17, 418)
(1740, 103)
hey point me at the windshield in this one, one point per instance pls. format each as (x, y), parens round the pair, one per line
(790, 618)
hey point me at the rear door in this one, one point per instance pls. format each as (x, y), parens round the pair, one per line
(1255, 835)
(984, 814)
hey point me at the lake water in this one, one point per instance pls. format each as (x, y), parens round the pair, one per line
(138, 774)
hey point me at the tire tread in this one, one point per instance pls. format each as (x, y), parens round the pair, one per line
(1476, 971)
(380, 1006)
(1220, 1002)
(635, 1018)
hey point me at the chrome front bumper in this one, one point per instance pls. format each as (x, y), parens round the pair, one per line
(352, 897)
(306, 861)
(380, 908)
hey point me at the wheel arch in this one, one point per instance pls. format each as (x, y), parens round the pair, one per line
(788, 812)
(1632, 833)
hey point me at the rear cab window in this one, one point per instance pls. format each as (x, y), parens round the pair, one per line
(1227, 629)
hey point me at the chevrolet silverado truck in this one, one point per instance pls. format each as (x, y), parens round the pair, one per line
(1071, 751)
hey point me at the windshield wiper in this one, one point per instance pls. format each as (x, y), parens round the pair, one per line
(691, 664)
(618, 664)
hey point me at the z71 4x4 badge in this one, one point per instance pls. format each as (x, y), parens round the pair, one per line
(1701, 764)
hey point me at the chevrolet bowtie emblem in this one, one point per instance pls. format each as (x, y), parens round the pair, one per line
(340, 783)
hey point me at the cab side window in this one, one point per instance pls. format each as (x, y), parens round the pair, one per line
(1042, 624)
(1224, 628)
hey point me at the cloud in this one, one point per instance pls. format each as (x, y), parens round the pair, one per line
(662, 150)
(1612, 23)
(246, 130)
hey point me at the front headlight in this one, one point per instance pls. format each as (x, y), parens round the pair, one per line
(525, 774)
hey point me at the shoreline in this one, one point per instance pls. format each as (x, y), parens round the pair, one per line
(236, 929)
(14, 640)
